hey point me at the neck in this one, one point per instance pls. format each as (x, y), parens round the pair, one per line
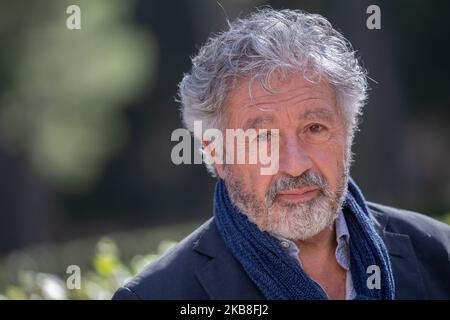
(317, 255)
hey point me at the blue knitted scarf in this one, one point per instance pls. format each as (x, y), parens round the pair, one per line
(280, 276)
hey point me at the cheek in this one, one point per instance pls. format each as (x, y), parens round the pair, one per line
(329, 159)
(253, 180)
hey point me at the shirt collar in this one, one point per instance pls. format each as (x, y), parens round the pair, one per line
(342, 233)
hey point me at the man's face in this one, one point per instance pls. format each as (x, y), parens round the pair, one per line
(303, 197)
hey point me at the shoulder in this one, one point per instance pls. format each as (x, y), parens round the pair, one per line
(172, 276)
(419, 249)
(405, 221)
(428, 236)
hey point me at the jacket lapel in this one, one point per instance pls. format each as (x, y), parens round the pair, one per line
(407, 277)
(222, 277)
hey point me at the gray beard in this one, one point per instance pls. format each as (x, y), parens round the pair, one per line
(290, 221)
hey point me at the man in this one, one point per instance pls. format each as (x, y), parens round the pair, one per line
(304, 231)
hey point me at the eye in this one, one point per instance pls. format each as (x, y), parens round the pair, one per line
(316, 128)
(316, 133)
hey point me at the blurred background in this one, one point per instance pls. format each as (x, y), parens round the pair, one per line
(86, 117)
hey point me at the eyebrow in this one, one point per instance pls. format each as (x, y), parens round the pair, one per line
(314, 114)
(255, 122)
(309, 114)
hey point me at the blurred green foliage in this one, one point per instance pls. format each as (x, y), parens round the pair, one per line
(63, 92)
(105, 264)
(445, 218)
(107, 273)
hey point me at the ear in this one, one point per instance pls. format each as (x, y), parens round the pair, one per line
(211, 152)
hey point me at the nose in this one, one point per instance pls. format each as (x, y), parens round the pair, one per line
(294, 157)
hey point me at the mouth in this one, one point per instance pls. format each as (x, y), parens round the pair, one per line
(298, 195)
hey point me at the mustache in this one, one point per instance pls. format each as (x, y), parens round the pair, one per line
(286, 183)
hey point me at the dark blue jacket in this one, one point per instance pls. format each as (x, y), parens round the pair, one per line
(201, 267)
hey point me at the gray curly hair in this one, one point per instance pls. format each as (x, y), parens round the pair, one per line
(265, 42)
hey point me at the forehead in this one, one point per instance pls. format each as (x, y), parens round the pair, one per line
(248, 97)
